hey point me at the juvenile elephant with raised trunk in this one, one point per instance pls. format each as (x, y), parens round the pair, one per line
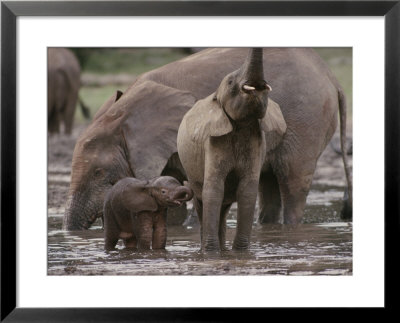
(222, 144)
(134, 133)
(136, 211)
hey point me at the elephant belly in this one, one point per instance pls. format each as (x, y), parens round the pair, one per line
(230, 188)
(125, 228)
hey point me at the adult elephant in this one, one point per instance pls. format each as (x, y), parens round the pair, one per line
(63, 84)
(134, 134)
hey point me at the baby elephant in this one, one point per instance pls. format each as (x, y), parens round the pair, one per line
(136, 211)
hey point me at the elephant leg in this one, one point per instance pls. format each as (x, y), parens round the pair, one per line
(130, 243)
(145, 231)
(269, 198)
(110, 242)
(222, 225)
(54, 121)
(69, 114)
(213, 192)
(246, 199)
(68, 126)
(160, 230)
(294, 191)
(198, 205)
(111, 229)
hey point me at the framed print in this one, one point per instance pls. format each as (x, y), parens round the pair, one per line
(49, 274)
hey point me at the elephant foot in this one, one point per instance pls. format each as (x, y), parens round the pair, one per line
(143, 245)
(347, 210)
(270, 216)
(211, 245)
(239, 247)
(292, 222)
(110, 243)
(224, 248)
(240, 244)
(130, 243)
(158, 247)
(293, 217)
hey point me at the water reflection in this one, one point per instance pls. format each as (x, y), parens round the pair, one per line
(320, 246)
(309, 249)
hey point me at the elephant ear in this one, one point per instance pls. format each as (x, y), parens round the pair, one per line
(273, 124)
(114, 98)
(136, 197)
(207, 118)
(154, 113)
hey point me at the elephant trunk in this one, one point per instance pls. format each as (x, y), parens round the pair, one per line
(183, 194)
(78, 216)
(253, 69)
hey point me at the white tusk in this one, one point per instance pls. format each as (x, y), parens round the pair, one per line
(248, 87)
(269, 87)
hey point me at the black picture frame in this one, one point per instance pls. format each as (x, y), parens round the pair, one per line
(10, 10)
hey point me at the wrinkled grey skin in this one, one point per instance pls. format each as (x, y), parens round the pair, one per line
(63, 84)
(222, 144)
(134, 134)
(136, 211)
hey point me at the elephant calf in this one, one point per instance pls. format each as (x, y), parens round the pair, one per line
(136, 210)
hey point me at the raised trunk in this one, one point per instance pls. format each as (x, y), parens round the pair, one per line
(253, 71)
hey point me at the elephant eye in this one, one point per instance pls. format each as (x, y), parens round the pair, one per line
(231, 78)
(98, 172)
(163, 191)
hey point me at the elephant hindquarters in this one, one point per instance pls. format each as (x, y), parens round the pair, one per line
(294, 191)
(298, 161)
(295, 160)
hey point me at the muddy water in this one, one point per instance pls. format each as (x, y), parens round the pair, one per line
(320, 246)
(310, 249)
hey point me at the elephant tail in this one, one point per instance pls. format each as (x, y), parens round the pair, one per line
(347, 211)
(335, 147)
(84, 108)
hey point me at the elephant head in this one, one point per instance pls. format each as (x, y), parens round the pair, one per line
(158, 193)
(168, 192)
(99, 161)
(242, 99)
(132, 135)
(243, 94)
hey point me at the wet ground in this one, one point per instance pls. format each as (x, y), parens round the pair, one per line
(322, 245)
